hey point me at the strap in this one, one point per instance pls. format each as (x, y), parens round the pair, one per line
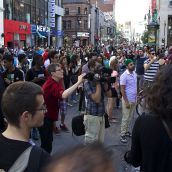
(22, 161)
(35, 155)
(167, 129)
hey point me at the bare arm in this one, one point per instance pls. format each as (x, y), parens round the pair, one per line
(96, 97)
(147, 66)
(70, 90)
(123, 93)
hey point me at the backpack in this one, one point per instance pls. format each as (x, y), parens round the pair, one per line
(27, 160)
(78, 127)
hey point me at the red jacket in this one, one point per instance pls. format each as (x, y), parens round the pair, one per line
(52, 94)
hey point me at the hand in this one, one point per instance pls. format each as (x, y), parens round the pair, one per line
(7, 81)
(127, 105)
(81, 78)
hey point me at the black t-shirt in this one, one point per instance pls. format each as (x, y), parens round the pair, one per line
(10, 150)
(140, 65)
(32, 73)
(14, 76)
(151, 146)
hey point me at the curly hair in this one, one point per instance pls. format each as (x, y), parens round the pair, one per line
(158, 96)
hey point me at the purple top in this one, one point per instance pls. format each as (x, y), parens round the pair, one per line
(130, 82)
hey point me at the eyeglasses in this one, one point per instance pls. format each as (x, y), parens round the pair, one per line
(43, 109)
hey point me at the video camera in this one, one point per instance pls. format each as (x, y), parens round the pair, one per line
(102, 74)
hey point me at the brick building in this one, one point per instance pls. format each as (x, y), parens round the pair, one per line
(76, 22)
(104, 5)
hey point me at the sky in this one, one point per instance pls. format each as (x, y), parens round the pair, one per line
(131, 10)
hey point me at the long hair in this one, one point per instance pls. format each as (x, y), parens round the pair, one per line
(158, 96)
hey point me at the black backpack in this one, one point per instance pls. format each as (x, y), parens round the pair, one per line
(78, 127)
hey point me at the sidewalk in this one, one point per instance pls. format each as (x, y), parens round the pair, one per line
(67, 140)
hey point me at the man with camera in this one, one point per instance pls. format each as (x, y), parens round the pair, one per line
(94, 120)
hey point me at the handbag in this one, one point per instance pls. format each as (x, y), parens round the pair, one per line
(78, 127)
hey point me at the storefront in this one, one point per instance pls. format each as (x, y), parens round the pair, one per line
(16, 33)
(83, 38)
(40, 35)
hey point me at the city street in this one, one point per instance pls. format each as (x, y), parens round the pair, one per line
(64, 140)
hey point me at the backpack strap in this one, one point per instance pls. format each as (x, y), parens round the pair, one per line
(22, 161)
(34, 160)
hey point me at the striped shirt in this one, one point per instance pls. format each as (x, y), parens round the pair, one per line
(149, 75)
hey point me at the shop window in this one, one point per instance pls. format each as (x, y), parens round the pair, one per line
(85, 24)
(8, 9)
(33, 15)
(33, 3)
(85, 11)
(27, 11)
(42, 17)
(64, 25)
(38, 16)
(66, 11)
(46, 13)
(69, 23)
(27, 1)
(79, 10)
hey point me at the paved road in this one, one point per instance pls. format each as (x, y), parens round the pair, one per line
(64, 140)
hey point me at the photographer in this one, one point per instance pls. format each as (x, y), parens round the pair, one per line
(95, 108)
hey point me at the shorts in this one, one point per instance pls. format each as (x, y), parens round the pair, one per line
(63, 107)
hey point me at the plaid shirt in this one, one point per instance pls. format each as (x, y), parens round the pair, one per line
(92, 108)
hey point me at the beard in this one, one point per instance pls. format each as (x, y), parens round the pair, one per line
(132, 68)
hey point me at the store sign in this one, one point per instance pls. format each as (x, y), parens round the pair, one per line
(42, 31)
(23, 27)
(82, 34)
(11, 26)
(57, 32)
(51, 13)
(43, 28)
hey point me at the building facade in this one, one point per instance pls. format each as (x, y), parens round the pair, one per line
(33, 23)
(164, 10)
(2, 23)
(76, 22)
(102, 22)
(23, 15)
(55, 14)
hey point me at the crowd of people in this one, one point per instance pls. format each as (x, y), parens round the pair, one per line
(38, 84)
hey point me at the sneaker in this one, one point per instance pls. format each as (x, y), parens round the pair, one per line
(128, 134)
(123, 139)
(64, 128)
